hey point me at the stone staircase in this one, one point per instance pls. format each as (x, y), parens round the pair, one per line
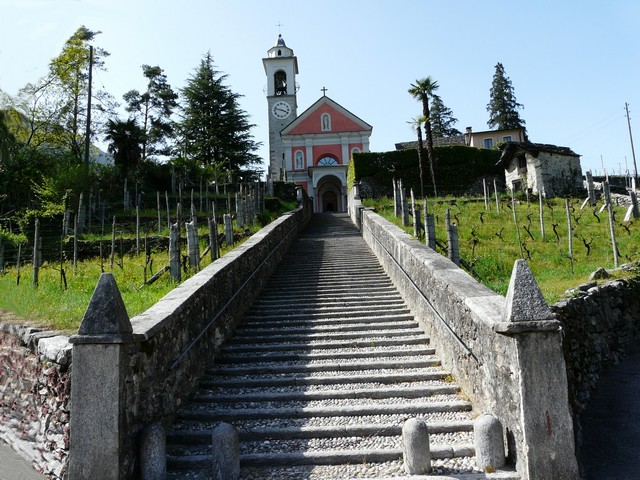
(323, 372)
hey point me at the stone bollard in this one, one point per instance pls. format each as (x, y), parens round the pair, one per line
(415, 446)
(489, 443)
(225, 443)
(153, 453)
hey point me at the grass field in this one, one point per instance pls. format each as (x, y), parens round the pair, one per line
(56, 306)
(489, 240)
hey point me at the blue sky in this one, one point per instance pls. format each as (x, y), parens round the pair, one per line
(573, 64)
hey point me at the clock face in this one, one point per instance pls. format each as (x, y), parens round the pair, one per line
(281, 110)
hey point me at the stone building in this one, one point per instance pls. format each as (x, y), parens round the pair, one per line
(540, 168)
(312, 149)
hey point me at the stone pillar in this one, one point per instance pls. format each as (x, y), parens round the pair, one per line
(193, 246)
(430, 230)
(174, 253)
(396, 199)
(452, 238)
(405, 207)
(239, 211)
(98, 443)
(228, 229)
(548, 444)
(591, 193)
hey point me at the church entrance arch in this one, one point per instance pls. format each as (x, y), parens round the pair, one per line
(329, 192)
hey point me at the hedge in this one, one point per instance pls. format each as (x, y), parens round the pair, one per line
(459, 170)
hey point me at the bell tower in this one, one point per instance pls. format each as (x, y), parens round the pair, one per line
(281, 68)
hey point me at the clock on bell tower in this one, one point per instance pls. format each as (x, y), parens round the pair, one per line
(281, 68)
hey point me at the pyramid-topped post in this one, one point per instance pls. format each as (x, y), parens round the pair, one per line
(97, 387)
(545, 420)
(106, 313)
(525, 301)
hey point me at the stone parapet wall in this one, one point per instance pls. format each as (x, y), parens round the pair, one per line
(512, 370)
(34, 396)
(602, 327)
(159, 363)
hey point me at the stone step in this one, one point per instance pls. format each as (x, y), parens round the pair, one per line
(336, 294)
(341, 311)
(328, 286)
(417, 339)
(370, 335)
(334, 457)
(210, 381)
(290, 367)
(305, 396)
(231, 415)
(311, 304)
(203, 437)
(328, 325)
(233, 357)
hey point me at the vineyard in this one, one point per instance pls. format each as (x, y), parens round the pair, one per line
(134, 245)
(491, 238)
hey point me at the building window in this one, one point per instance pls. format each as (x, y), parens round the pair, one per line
(299, 160)
(280, 79)
(522, 164)
(488, 143)
(325, 122)
(506, 138)
(327, 162)
(354, 150)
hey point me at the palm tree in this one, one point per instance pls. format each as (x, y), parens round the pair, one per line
(421, 90)
(125, 145)
(416, 124)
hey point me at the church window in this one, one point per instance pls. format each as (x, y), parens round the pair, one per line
(355, 150)
(279, 53)
(327, 162)
(280, 79)
(299, 160)
(325, 121)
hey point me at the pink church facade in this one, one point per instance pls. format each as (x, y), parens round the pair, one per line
(318, 146)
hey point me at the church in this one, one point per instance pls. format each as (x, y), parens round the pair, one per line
(312, 149)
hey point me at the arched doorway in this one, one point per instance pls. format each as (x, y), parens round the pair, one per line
(329, 194)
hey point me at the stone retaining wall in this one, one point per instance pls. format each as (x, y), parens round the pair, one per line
(34, 396)
(602, 327)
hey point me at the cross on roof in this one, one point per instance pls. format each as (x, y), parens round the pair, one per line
(324, 91)
(279, 25)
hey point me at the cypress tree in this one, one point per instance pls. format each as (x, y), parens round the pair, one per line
(502, 106)
(442, 119)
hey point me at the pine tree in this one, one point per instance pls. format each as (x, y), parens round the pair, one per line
(442, 119)
(215, 130)
(502, 106)
(153, 109)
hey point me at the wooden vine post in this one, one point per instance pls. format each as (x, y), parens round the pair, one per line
(569, 231)
(612, 229)
(36, 252)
